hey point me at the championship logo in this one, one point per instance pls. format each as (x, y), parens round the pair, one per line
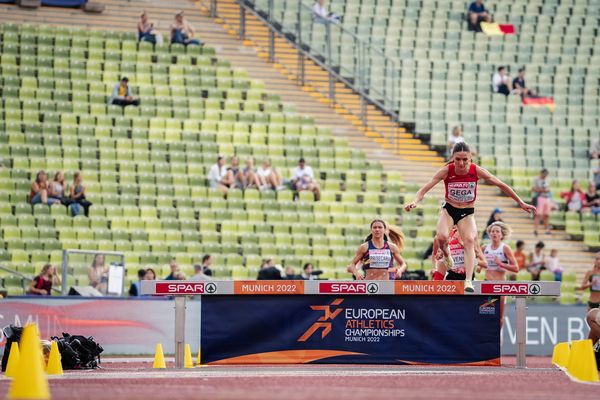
(489, 307)
(324, 322)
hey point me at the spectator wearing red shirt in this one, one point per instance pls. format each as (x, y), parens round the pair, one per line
(575, 197)
(42, 284)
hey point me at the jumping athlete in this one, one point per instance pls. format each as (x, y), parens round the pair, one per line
(592, 281)
(377, 255)
(455, 272)
(460, 178)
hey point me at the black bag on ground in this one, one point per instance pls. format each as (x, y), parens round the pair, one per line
(78, 352)
(12, 334)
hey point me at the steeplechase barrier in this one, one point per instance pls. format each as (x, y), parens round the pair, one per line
(370, 322)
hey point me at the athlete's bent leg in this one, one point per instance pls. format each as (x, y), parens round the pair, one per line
(468, 232)
(444, 227)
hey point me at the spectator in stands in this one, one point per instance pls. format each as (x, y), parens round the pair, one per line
(268, 271)
(56, 190)
(217, 175)
(233, 176)
(176, 274)
(553, 264)
(477, 14)
(303, 178)
(307, 272)
(495, 216)
(520, 257)
(322, 15)
(290, 273)
(78, 196)
(575, 197)
(519, 86)
(182, 31)
(537, 261)
(98, 274)
(147, 30)
(454, 137)
(501, 81)
(541, 199)
(136, 287)
(597, 176)
(207, 261)
(249, 178)
(595, 150)
(121, 94)
(199, 274)
(42, 284)
(150, 275)
(592, 199)
(268, 177)
(39, 189)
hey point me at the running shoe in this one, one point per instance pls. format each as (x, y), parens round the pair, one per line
(469, 286)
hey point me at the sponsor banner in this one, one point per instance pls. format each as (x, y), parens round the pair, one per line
(546, 326)
(268, 287)
(192, 288)
(349, 287)
(503, 288)
(430, 287)
(121, 326)
(350, 329)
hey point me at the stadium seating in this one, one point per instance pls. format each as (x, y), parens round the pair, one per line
(145, 167)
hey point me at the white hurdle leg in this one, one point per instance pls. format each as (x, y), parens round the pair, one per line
(521, 327)
(179, 331)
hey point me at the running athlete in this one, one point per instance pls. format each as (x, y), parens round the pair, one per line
(377, 255)
(455, 272)
(592, 281)
(460, 178)
(498, 255)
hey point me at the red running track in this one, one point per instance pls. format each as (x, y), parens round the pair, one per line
(137, 380)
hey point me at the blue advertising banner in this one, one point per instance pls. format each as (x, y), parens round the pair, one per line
(350, 329)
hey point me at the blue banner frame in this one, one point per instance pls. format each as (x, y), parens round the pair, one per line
(350, 329)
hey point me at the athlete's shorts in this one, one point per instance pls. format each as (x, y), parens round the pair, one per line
(454, 276)
(458, 213)
(594, 305)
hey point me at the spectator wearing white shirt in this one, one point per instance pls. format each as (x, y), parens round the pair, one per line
(453, 138)
(217, 176)
(268, 177)
(303, 178)
(322, 15)
(248, 175)
(501, 82)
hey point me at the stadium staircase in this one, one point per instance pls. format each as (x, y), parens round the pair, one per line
(249, 56)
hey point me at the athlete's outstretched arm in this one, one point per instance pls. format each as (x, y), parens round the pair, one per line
(586, 284)
(488, 177)
(357, 257)
(437, 178)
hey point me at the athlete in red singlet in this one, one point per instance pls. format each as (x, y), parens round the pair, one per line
(456, 272)
(460, 177)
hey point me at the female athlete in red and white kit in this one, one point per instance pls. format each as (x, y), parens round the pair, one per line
(460, 178)
(456, 271)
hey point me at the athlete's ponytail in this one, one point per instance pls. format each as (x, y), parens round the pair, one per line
(396, 237)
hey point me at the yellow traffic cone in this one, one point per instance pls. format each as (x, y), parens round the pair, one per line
(54, 366)
(560, 355)
(187, 361)
(582, 363)
(199, 359)
(30, 380)
(159, 358)
(13, 360)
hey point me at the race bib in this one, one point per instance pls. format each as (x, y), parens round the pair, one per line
(596, 283)
(380, 258)
(462, 192)
(492, 266)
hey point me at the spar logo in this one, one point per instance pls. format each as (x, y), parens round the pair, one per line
(489, 307)
(324, 321)
(507, 289)
(348, 288)
(180, 288)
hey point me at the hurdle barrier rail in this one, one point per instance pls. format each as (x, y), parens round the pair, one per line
(182, 289)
